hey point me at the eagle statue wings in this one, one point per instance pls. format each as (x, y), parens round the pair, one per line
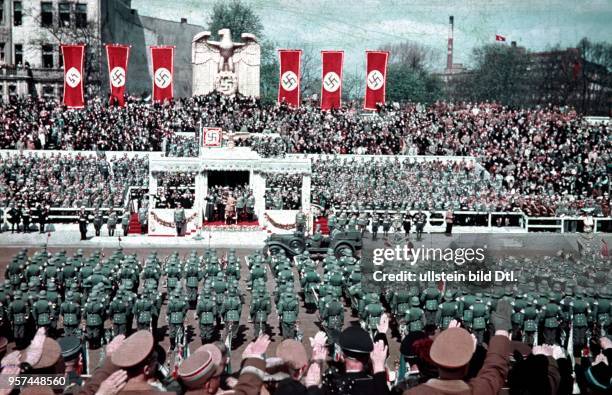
(226, 66)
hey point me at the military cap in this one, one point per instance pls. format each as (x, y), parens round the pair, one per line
(452, 348)
(355, 340)
(70, 346)
(292, 353)
(50, 356)
(134, 350)
(215, 354)
(196, 370)
(408, 340)
(414, 301)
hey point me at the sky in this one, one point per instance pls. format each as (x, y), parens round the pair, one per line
(357, 25)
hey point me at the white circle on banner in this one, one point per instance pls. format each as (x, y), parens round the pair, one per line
(73, 77)
(331, 82)
(117, 77)
(375, 80)
(163, 78)
(289, 81)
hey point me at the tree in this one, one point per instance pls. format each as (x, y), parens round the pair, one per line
(501, 74)
(236, 16)
(596, 77)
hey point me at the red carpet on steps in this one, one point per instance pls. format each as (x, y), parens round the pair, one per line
(134, 227)
(323, 222)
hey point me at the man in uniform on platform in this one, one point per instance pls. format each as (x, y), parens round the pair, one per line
(179, 219)
(98, 221)
(375, 225)
(420, 219)
(83, 220)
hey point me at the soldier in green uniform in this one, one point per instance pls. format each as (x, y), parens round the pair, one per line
(431, 297)
(372, 314)
(231, 310)
(332, 315)
(579, 310)
(448, 310)
(288, 310)
(125, 221)
(259, 310)
(42, 311)
(310, 283)
(551, 312)
(480, 317)
(18, 312)
(70, 312)
(95, 315)
(530, 322)
(414, 318)
(206, 313)
(177, 309)
(179, 219)
(118, 312)
(143, 312)
(193, 277)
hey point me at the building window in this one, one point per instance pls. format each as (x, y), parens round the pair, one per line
(64, 14)
(12, 90)
(18, 54)
(2, 55)
(47, 56)
(17, 13)
(48, 91)
(46, 14)
(1, 12)
(80, 17)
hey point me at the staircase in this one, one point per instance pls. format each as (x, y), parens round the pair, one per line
(323, 222)
(134, 227)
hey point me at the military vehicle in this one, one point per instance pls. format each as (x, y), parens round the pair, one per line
(296, 243)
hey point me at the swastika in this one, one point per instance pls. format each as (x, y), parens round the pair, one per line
(289, 81)
(117, 76)
(73, 77)
(375, 80)
(331, 82)
(163, 78)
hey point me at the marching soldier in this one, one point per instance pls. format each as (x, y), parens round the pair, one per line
(70, 312)
(118, 311)
(231, 309)
(259, 310)
(42, 311)
(206, 311)
(177, 308)
(193, 276)
(143, 311)
(95, 314)
(414, 317)
(288, 310)
(18, 312)
(551, 312)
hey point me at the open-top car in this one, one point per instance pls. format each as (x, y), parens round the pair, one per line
(296, 243)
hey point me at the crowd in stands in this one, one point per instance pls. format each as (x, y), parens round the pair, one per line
(69, 180)
(175, 188)
(547, 157)
(283, 191)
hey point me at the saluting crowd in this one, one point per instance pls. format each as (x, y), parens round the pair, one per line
(546, 333)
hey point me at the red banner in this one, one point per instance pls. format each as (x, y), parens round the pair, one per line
(74, 56)
(162, 58)
(289, 79)
(376, 78)
(331, 79)
(117, 57)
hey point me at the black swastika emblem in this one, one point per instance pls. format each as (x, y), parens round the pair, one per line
(331, 82)
(162, 79)
(289, 81)
(117, 77)
(374, 79)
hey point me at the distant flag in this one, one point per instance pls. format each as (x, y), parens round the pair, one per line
(499, 37)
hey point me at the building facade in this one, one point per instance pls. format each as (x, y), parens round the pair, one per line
(31, 32)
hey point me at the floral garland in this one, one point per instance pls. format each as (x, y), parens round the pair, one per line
(277, 225)
(172, 224)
